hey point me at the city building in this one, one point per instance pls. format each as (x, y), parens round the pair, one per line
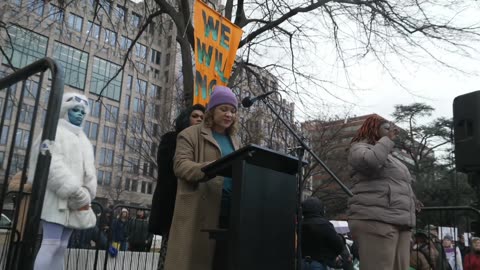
(129, 87)
(259, 125)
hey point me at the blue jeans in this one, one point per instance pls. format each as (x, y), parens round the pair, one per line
(312, 265)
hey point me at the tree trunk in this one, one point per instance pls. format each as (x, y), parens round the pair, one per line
(187, 71)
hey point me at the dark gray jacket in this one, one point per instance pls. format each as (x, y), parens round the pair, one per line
(382, 185)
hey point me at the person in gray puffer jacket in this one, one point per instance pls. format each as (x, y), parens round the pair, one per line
(382, 209)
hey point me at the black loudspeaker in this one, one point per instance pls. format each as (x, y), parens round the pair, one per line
(466, 127)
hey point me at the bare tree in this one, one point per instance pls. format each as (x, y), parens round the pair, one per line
(329, 138)
(289, 27)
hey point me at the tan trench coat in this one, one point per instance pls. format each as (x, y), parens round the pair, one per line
(197, 205)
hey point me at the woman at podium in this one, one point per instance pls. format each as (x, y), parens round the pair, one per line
(202, 204)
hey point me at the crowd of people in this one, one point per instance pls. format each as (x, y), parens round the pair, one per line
(428, 251)
(122, 232)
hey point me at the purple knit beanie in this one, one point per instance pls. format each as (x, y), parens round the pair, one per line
(222, 95)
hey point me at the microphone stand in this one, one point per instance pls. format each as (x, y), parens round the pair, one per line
(300, 153)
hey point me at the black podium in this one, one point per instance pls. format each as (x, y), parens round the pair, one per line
(261, 234)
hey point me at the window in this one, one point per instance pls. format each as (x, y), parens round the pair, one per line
(75, 22)
(109, 135)
(17, 163)
(127, 184)
(121, 143)
(157, 111)
(166, 76)
(111, 113)
(106, 157)
(107, 6)
(4, 138)
(26, 114)
(36, 6)
(149, 188)
(2, 158)
(125, 122)
(21, 139)
(167, 60)
(127, 102)
(152, 28)
(125, 43)
(137, 126)
(150, 113)
(93, 30)
(120, 160)
(141, 87)
(169, 42)
(138, 105)
(104, 177)
(135, 20)
(143, 187)
(107, 178)
(74, 62)
(140, 67)
(155, 91)
(120, 13)
(152, 169)
(56, 14)
(94, 108)
(155, 57)
(129, 82)
(110, 37)
(99, 177)
(31, 89)
(8, 114)
(140, 51)
(133, 165)
(102, 72)
(134, 185)
(91, 130)
(153, 150)
(145, 168)
(155, 72)
(25, 47)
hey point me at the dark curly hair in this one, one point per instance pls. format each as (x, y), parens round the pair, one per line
(369, 130)
(183, 119)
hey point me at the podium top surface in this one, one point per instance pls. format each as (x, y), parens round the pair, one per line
(255, 155)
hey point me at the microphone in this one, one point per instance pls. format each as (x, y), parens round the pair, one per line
(248, 101)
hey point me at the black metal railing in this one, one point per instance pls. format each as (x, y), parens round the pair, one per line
(19, 149)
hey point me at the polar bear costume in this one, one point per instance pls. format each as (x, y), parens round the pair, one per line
(72, 181)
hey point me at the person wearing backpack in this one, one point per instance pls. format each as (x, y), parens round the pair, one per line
(163, 201)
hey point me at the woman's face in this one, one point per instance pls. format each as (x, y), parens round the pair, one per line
(223, 117)
(76, 115)
(447, 243)
(384, 129)
(476, 245)
(196, 117)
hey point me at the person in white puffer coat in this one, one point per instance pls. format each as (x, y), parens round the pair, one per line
(71, 185)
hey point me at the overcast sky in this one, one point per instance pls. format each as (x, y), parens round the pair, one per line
(430, 83)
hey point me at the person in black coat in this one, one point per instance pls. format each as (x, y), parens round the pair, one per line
(163, 201)
(319, 241)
